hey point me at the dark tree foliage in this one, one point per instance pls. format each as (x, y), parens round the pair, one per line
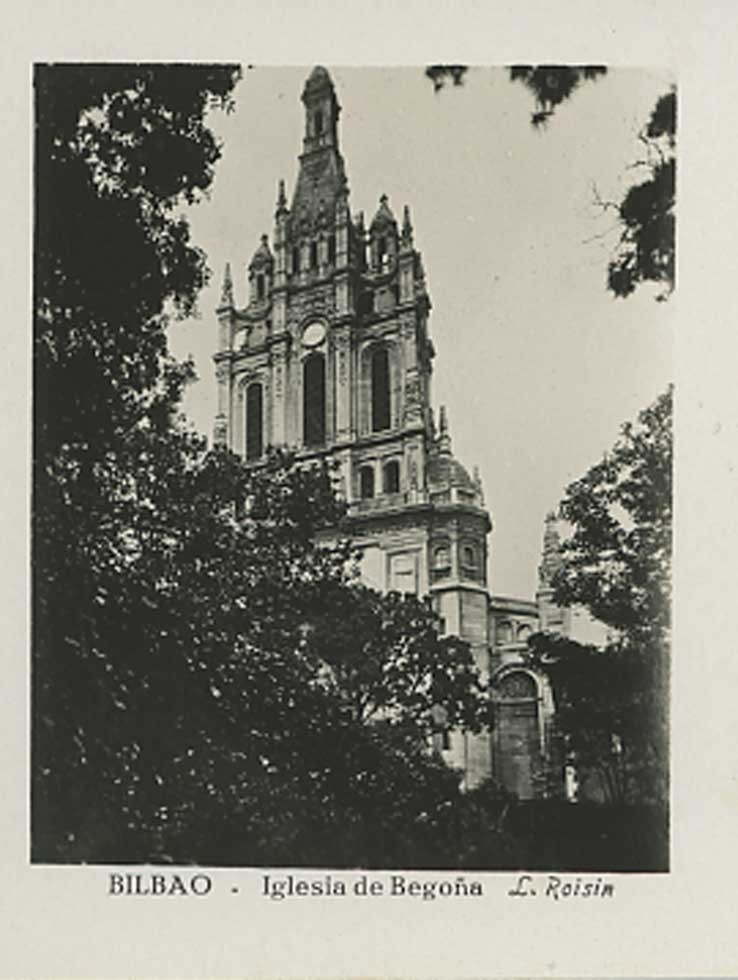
(119, 148)
(617, 561)
(553, 84)
(386, 661)
(612, 704)
(441, 74)
(611, 716)
(646, 250)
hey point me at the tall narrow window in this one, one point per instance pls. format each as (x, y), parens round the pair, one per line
(295, 259)
(392, 477)
(254, 421)
(332, 249)
(260, 287)
(313, 255)
(318, 123)
(383, 255)
(313, 400)
(366, 482)
(380, 390)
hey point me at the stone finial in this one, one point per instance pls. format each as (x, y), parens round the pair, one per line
(407, 228)
(281, 199)
(226, 295)
(444, 439)
(477, 477)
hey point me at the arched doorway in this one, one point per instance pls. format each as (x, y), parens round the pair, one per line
(518, 734)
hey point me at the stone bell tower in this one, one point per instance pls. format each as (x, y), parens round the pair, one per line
(331, 356)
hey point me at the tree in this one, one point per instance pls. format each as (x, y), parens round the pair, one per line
(118, 149)
(383, 655)
(612, 704)
(617, 561)
(188, 713)
(646, 250)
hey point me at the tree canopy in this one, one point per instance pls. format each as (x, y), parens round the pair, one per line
(612, 703)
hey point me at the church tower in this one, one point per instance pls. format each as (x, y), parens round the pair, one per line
(331, 356)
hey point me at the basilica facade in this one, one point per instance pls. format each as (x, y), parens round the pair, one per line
(331, 355)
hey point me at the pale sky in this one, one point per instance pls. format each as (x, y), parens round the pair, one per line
(537, 363)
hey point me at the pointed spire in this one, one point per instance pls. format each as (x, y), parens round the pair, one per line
(226, 295)
(444, 439)
(281, 199)
(407, 228)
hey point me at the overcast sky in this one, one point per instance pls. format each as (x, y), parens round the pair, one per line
(537, 363)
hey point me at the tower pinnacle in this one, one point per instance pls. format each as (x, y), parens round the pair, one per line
(444, 439)
(281, 199)
(322, 175)
(226, 295)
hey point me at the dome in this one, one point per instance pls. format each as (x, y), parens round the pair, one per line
(444, 470)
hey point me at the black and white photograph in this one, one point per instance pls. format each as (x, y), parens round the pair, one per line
(352, 466)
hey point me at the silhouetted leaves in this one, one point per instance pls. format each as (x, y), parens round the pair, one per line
(617, 562)
(441, 74)
(553, 84)
(612, 703)
(646, 250)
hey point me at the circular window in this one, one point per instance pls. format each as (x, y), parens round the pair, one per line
(313, 334)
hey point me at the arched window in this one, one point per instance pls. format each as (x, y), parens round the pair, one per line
(318, 122)
(517, 686)
(469, 558)
(332, 249)
(383, 255)
(380, 390)
(504, 632)
(254, 421)
(366, 482)
(313, 400)
(392, 477)
(366, 302)
(260, 286)
(441, 558)
(313, 255)
(295, 259)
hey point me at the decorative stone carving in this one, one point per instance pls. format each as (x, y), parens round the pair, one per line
(222, 371)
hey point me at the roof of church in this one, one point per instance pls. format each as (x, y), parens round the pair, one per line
(446, 470)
